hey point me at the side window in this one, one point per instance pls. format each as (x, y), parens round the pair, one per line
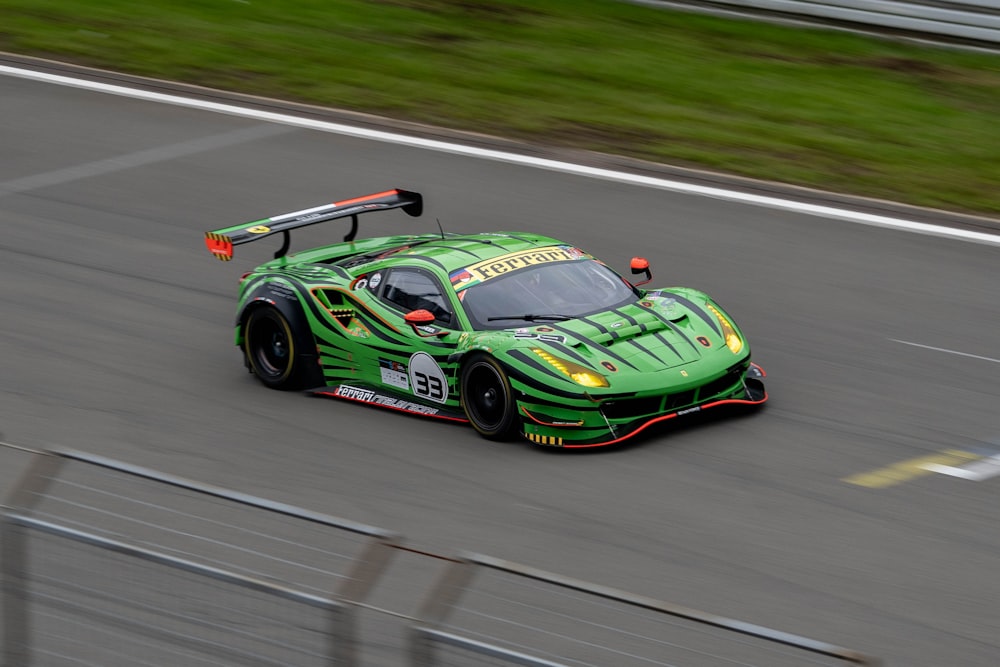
(412, 289)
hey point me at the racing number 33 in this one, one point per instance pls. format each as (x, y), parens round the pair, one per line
(428, 386)
(427, 378)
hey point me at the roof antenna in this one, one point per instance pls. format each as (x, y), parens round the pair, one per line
(439, 227)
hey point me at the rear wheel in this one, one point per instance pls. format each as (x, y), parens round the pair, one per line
(488, 399)
(276, 351)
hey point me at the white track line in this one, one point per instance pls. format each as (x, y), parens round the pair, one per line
(977, 471)
(944, 349)
(502, 156)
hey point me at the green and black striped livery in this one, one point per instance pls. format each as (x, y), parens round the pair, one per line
(516, 333)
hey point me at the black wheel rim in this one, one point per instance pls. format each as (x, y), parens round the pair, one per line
(270, 346)
(486, 396)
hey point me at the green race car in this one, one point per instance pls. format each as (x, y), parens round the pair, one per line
(513, 332)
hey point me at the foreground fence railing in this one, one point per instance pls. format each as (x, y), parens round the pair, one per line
(556, 621)
(100, 570)
(105, 563)
(178, 633)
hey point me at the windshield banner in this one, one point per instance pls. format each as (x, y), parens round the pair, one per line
(497, 266)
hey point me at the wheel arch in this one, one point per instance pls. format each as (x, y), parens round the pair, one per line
(285, 301)
(277, 296)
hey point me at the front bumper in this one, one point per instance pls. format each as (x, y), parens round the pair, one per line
(600, 423)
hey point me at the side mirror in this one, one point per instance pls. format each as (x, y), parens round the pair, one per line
(420, 318)
(641, 265)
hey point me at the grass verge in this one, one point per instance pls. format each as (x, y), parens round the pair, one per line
(808, 107)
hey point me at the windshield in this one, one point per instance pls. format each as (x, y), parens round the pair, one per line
(549, 292)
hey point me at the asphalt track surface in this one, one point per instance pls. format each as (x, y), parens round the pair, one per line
(880, 347)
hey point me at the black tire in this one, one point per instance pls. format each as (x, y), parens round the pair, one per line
(277, 352)
(488, 399)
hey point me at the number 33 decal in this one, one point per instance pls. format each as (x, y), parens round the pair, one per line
(427, 379)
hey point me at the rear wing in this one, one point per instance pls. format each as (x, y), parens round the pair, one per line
(221, 241)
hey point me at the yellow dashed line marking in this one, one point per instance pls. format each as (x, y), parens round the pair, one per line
(904, 471)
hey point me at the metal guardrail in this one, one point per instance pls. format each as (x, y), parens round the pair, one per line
(338, 625)
(109, 564)
(611, 613)
(973, 22)
(91, 555)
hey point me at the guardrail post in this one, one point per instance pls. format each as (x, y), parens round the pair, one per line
(435, 609)
(16, 647)
(368, 566)
(27, 491)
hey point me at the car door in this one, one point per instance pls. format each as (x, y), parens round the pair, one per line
(419, 364)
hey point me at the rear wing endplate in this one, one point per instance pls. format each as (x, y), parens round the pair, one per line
(221, 241)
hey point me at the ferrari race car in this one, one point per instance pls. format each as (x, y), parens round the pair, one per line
(513, 332)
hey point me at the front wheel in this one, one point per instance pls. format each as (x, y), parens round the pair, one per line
(488, 399)
(275, 350)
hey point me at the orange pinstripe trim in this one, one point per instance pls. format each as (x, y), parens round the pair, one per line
(357, 200)
(555, 424)
(361, 306)
(392, 407)
(655, 420)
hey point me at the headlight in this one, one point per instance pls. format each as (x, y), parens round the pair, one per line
(733, 341)
(574, 371)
